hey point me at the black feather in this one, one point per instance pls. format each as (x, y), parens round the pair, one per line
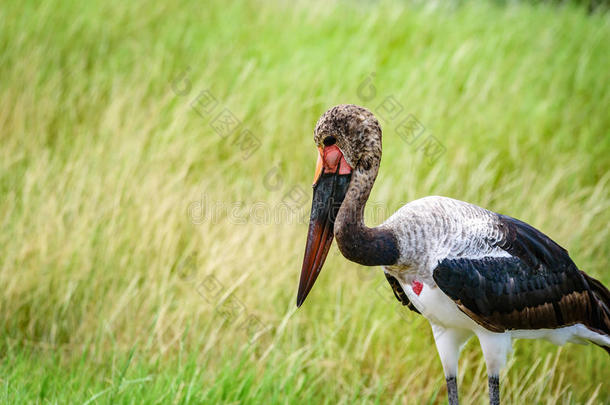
(539, 281)
(399, 293)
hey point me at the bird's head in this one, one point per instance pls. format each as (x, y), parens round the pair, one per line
(348, 138)
(354, 130)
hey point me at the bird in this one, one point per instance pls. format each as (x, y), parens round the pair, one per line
(467, 270)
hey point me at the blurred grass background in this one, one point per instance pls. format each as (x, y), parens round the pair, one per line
(140, 261)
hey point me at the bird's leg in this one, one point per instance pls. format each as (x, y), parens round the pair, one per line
(494, 389)
(495, 350)
(452, 390)
(448, 344)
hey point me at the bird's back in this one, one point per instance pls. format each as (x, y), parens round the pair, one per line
(433, 228)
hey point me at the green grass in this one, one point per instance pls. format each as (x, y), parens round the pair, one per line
(115, 289)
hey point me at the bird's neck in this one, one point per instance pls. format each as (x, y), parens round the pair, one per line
(357, 242)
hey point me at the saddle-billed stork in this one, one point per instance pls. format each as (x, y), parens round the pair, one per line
(467, 270)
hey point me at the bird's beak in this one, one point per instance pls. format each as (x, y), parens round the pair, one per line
(330, 185)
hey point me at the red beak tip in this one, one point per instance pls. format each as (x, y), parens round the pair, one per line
(300, 299)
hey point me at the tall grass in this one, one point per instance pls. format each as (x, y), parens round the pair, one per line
(116, 288)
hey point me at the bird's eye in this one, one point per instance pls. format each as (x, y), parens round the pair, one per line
(329, 140)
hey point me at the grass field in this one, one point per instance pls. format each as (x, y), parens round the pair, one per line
(150, 252)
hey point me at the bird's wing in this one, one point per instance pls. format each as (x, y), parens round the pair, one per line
(399, 293)
(536, 286)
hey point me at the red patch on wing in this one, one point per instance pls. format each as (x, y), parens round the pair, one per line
(416, 286)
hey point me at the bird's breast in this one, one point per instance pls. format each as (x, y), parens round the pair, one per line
(435, 306)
